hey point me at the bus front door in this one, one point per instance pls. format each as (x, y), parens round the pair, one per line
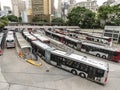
(91, 73)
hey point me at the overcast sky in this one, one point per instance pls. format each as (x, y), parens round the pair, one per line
(8, 2)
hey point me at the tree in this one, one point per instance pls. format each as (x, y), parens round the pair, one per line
(2, 25)
(13, 18)
(58, 21)
(109, 15)
(3, 21)
(82, 17)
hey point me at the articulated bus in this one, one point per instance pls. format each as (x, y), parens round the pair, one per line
(105, 52)
(1, 43)
(82, 66)
(109, 53)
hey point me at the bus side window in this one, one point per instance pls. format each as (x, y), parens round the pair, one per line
(83, 67)
(75, 65)
(115, 54)
(53, 57)
(99, 73)
(63, 61)
(69, 62)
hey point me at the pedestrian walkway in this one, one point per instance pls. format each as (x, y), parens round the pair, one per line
(3, 83)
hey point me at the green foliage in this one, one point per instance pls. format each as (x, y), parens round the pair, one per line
(2, 24)
(38, 19)
(58, 20)
(13, 18)
(82, 17)
(109, 14)
(3, 21)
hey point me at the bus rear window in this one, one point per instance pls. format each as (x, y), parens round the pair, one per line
(10, 40)
(115, 53)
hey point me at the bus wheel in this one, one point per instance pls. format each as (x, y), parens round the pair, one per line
(98, 55)
(74, 72)
(104, 57)
(82, 75)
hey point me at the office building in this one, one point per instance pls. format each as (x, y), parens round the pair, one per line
(18, 7)
(89, 4)
(108, 2)
(42, 9)
(112, 32)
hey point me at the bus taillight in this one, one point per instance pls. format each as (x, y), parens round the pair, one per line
(0, 51)
(105, 79)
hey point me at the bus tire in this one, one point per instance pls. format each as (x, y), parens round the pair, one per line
(98, 55)
(82, 75)
(104, 57)
(74, 72)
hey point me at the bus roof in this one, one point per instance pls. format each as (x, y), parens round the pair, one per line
(57, 34)
(40, 44)
(31, 37)
(55, 42)
(71, 39)
(102, 47)
(40, 37)
(78, 58)
(26, 33)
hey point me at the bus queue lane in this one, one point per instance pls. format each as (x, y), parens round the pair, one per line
(23, 76)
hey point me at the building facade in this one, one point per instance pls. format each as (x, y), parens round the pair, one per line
(89, 4)
(112, 32)
(18, 7)
(42, 9)
(7, 10)
(115, 3)
(108, 2)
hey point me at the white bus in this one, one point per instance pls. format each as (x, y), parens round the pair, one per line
(78, 65)
(10, 41)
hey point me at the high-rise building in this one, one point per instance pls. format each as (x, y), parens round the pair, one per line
(108, 2)
(29, 10)
(43, 9)
(72, 2)
(18, 7)
(115, 3)
(7, 9)
(59, 8)
(89, 4)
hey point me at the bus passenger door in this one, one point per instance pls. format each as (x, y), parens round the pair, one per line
(47, 55)
(91, 73)
(59, 61)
